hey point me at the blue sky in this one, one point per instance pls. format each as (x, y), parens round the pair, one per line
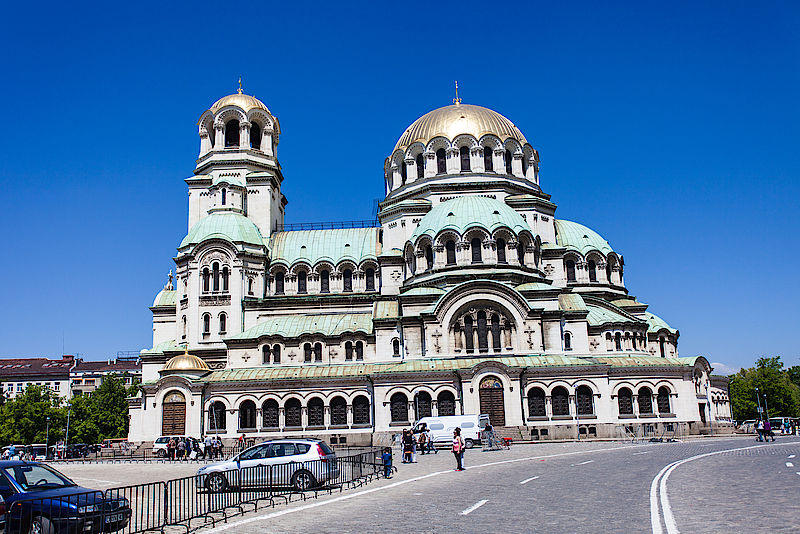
(671, 129)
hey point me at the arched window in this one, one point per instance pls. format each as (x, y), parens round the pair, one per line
(317, 352)
(223, 323)
(279, 284)
(324, 282)
(475, 244)
(521, 253)
(307, 352)
(662, 347)
(508, 159)
(232, 133)
(249, 286)
(269, 414)
(618, 341)
(316, 412)
(488, 164)
(396, 348)
(483, 333)
(663, 400)
(464, 153)
(361, 415)
(348, 350)
(276, 354)
(450, 248)
(625, 401)
(537, 255)
(347, 276)
(411, 262)
(292, 413)
(338, 411)
(567, 341)
(206, 279)
(585, 400)
(570, 266)
(422, 404)
(255, 136)
(446, 403)
(524, 166)
(633, 341)
(399, 408)
(359, 350)
(536, 406)
(469, 340)
(403, 172)
(215, 276)
(369, 278)
(224, 196)
(206, 323)
(420, 166)
(496, 341)
(216, 416)
(592, 271)
(501, 250)
(608, 270)
(183, 324)
(560, 399)
(265, 355)
(441, 161)
(247, 415)
(225, 278)
(429, 257)
(645, 400)
(302, 278)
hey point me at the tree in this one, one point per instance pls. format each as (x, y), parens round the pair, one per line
(23, 419)
(772, 381)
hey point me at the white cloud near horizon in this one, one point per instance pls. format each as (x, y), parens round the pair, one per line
(722, 369)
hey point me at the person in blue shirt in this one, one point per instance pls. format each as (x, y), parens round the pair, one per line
(387, 462)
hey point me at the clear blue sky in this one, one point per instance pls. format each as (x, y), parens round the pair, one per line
(671, 129)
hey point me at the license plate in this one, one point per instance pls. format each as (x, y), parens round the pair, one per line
(113, 518)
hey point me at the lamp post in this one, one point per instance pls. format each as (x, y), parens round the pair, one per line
(66, 437)
(47, 437)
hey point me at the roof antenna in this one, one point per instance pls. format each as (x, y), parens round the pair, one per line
(456, 100)
(240, 85)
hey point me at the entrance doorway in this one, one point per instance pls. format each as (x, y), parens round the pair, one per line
(701, 407)
(492, 403)
(173, 414)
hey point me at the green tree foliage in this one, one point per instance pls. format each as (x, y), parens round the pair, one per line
(92, 418)
(794, 374)
(769, 376)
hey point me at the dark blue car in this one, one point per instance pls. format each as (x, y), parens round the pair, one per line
(40, 500)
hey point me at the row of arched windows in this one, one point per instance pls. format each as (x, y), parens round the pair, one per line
(559, 399)
(232, 138)
(465, 163)
(324, 281)
(215, 279)
(630, 341)
(222, 320)
(476, 255)
(645, 400)
(423, 405)
(270, 414)
(591, 266)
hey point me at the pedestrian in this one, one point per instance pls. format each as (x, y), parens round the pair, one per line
(458, 448)
(387, 462)
(209, 449)
(759, 430)
(181, 448)
(413, 446)
(768, 431)
(429, 441)
(422, 441)
(171, 448)
(408, 445)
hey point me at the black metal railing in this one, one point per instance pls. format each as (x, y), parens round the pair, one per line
(190, 502)
(335, 225)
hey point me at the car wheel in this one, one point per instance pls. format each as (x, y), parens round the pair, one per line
(161, 453)
(216, 482)
(468, 443)
(41, 525)
(303, 480)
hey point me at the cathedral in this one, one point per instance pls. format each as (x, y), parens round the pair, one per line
(467, 295)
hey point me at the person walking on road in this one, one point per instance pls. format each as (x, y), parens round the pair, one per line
(458, 449)
(408, 446)
(759, 430)
(429, 442)
(768, 431)
(387, 462)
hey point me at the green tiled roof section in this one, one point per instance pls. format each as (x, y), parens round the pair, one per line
(227, 225)
(536, 286)
(469, 211)
(161, 348)
(574, 236)
(166, 297)
(599, 316)
(386, 309)
(293, 326)
(656, 323)
(571, 302)
(627, 303)
(232, 180)
(312, 246)
(640, 361)
(423, 291)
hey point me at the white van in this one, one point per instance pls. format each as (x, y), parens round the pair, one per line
(442, 427)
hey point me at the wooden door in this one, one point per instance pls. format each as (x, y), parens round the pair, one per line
(173, 414)
(492, 401)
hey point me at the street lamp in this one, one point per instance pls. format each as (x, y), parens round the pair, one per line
(47, 437)
(66, 437)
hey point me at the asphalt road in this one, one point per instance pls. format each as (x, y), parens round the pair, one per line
(711, 485)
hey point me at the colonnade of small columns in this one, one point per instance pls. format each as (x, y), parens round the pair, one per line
(335, 282)
(463, 252)
(206, 146)
(496, 341)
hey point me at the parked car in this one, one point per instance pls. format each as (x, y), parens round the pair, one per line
(442, 427)
(40, 500)
(160, 444)
(2, 515)
(300, 463)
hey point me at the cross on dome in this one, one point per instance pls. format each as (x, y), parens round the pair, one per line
(456, 100)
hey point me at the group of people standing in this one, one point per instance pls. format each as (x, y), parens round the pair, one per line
(411, 441)
(191, 449)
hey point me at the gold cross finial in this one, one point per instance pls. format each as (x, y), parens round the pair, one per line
(240, 85)
(456, 100)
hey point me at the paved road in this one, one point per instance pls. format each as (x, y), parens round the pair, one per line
(724, 485)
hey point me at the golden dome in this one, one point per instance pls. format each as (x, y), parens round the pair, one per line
(241, 100)
(185, 362)
(452, 121)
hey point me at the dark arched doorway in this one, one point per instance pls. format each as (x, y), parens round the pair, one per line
(492, 402)
(173, 414)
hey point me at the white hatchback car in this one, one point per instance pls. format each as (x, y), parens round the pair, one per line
(300, 463)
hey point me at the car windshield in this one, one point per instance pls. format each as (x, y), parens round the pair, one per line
(37, 477)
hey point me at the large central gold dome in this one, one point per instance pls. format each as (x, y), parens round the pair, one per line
(241, 100)
(451, 121)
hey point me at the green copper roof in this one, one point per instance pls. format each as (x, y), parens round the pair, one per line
(165, 297)
(599, 316)
(231, 180)
(574, 236)
(639, 361)
(571, 302)
(386, 309)
(293, 326)
(161, 348)
(536, 286)
(227, 225)
(312, 246)
(423, 291)
(469, 211)
(656, 323)
(628, 303)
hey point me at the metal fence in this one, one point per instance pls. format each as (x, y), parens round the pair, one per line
(146, 455)
(190, 502)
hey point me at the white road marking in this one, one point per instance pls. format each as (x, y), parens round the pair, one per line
(317, 504)
(638, 453)
(586, 462)
(798, 473)
(474, 507)
(789, 464)
(791, 456)
(529, 479)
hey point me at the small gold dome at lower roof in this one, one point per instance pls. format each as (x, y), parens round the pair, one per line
(240, 100)
(452, 121)
(186, 362)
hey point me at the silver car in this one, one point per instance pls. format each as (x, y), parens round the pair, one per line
(300, 463)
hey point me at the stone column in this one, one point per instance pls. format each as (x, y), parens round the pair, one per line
(304, 415)
(453, 160)
(456, 336)
(498, 161)
(244, 135)
(219, 137)
(326, 416)
(434, 408)
(266, 142)
(530, 174)
(205, 142)
(422, 264)
(349, 415)
(411, 170)
(476, 159)
(281, 417)
(430, 164)
(516, 164)
(397, 178)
